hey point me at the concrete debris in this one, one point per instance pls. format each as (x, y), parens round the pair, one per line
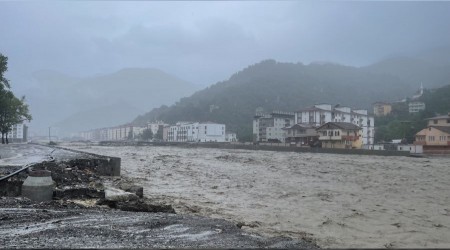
(90, 209)
(115, 194)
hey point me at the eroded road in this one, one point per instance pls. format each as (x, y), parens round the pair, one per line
(24, 224)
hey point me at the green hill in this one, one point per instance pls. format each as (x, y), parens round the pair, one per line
(283, 86)
(401, 124)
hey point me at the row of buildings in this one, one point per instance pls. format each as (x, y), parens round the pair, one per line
(180, 132)
(333, 126)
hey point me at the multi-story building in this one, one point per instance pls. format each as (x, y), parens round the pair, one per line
(166, 129)
(155, 126)
(18, 133)
(301, 134)
(230, 137)
(118, 133)
(340, 135)
(416, 106)
(316, 115)
(437, 132)
(196, 132)
(320, 114)
(382, 108)
(269, 127)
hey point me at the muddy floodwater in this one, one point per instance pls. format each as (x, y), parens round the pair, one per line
(337, 200)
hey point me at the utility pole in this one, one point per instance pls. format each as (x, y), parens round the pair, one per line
(49, 140)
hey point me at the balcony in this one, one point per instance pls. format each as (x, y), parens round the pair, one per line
(349, 137)
(330, 138)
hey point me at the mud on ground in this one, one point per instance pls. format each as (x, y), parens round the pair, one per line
(339, 200)
(83, 216)
(57, 224)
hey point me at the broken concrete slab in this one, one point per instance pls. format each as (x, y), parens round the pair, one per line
(115, 194)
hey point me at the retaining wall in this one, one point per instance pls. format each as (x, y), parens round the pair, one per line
(101, 164)
(273, 147)
(98, 164)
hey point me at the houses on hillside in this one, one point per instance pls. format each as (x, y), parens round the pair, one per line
(414, 104)
(301, 127)
(382, 108)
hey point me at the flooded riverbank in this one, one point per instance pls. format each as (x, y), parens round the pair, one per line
(338, 200)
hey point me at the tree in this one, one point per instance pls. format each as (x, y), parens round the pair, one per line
(3, 68)
(130, 135)
(147, 134)
(12, 109)
(159, 133)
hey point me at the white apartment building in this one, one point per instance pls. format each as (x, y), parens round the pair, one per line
(155, 126)
(196, 132)
(230, 137)
(18, 133)
(415, 107)
(269, 127)
(118, 133)
(320, 114)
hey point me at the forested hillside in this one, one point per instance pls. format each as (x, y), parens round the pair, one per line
(401, 124)
(283, 86)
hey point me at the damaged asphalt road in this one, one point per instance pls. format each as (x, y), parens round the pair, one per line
(24, 224)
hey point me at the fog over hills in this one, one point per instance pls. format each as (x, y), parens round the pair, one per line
(73, 104)
(274, 85)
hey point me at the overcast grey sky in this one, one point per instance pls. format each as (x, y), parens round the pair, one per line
(205, 42)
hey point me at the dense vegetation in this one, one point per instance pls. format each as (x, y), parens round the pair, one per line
(402, 125)
(272, 85)
(13, 110)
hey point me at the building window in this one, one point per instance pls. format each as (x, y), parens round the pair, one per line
(430, 138)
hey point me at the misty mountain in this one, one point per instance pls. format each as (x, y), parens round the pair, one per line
(98, 117)
(414, 70)
(288, 87)
(437, 56)
(69, 103)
